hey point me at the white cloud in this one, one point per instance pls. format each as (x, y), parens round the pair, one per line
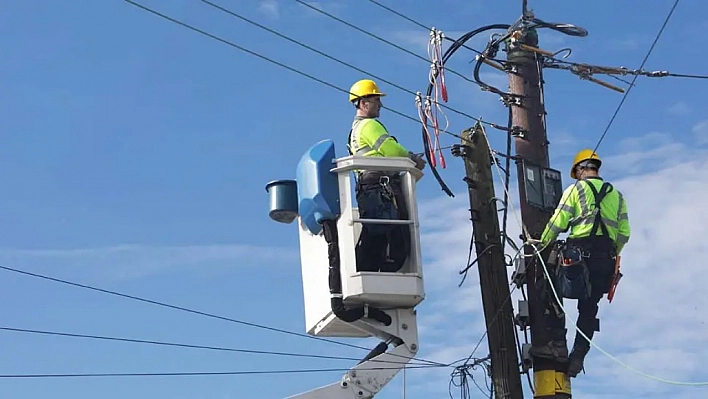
(124, 262)
(680, 108)
(656, 323)
(269, 8)
(700, 132)
(650, 152)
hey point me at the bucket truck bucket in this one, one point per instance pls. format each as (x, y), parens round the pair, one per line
(325, 189)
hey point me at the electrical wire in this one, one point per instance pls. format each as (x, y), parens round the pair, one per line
(446, 56)
(349, 24)
(182, 345)
(409, 19)
(539, 257)
(613, 358)
(579, 68)
(682, 75)
(202, 373)
(198, 312)
(464, 375)
(479, 342)
(646, 57)
(299, 43)
(457, 43)
(255, 54)
(462, 371)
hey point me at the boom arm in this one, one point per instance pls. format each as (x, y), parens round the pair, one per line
(377, 369)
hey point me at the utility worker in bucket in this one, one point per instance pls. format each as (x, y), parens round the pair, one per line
(382, 247)
(596, 214)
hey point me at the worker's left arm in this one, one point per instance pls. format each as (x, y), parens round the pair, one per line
(623, 230)
(560, 220)
(376, 136)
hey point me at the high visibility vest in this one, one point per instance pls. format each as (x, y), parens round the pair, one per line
(590, 207)
(368, 137)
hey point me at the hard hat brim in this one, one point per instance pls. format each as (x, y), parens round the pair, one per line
(353, 97)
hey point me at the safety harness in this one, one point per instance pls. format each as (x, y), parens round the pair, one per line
(572, 271)
(376, 198)
(599, 196)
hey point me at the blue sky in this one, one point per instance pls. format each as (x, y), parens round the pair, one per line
(135, 153)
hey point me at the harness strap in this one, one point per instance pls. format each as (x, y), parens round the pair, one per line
(598, 223)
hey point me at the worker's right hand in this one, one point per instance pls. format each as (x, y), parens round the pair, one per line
(419, 162)
(418, 159)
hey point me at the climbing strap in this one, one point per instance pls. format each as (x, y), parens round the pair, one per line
(598, 223)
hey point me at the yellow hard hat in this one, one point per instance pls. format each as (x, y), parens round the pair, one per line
(583, 155)
(363, 88)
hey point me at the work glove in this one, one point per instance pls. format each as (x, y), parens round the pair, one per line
(419, 161)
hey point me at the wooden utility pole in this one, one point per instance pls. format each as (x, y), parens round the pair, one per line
(496, 301)
(528, 119)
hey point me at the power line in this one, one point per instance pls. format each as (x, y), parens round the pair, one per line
(409, 19)
(188, 310)
(641, 67)
(583, 69)
(181, 345)
(390, 43)
(201, 373)
(251, 52)
(682, 75)
(299, 43)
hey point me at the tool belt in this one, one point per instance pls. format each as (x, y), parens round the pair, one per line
(376, 194)
(572, 274)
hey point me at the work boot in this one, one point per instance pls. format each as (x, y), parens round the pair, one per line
(575, 364)
(557, 350)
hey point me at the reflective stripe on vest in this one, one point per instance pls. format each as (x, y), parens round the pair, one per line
(365, 150)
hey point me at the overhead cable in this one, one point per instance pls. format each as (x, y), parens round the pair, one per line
(409, 19)
(390, 43)
(683, 75)
(299, 43)
(613, 358)
(203, 373)
(539, 257)
(210, 315)
(641, 67)
(251, 52)
(431, 85)
(181, 345)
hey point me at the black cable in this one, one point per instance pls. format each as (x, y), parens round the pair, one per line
(251, 52)
(646, 57)
(681, 75)
(464, 374)
(501, 307)
(490, 52)
(470, 264)
(210, 315)
(446, 56)
(568, 29)
(349, 24)
(409, 19)
(181, 345)
(299, 43)
(507, 178)
(469, 253)
(200, 373)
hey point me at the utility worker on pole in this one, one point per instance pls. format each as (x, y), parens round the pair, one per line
(596, 213)
(378, 194)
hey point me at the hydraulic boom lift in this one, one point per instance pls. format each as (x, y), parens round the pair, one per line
(339, 300)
